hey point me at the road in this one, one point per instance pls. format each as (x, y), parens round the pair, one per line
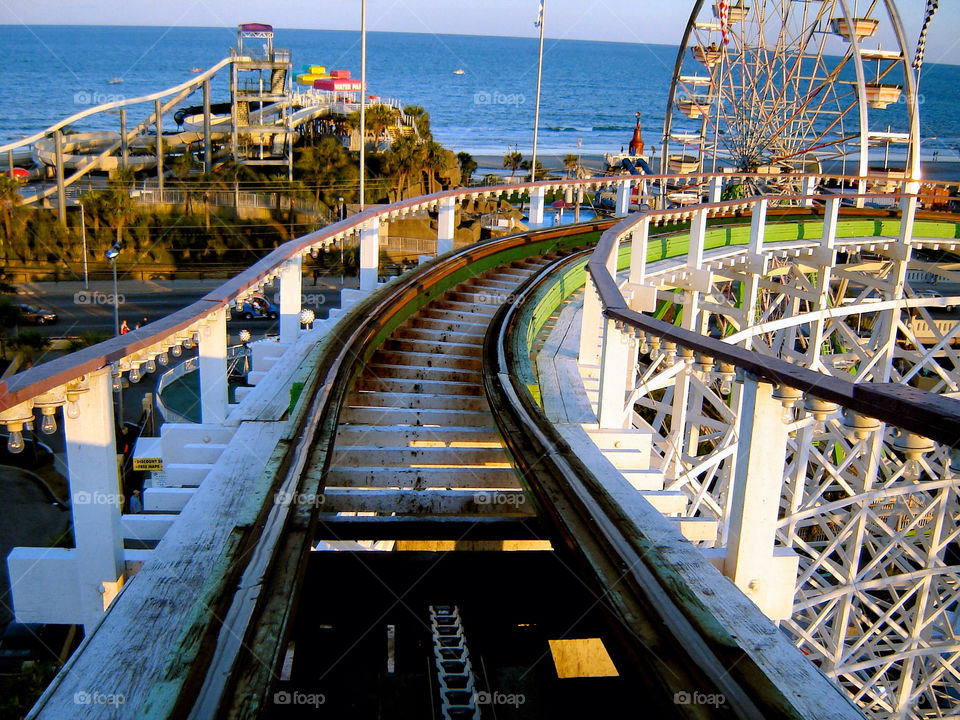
(91, 310)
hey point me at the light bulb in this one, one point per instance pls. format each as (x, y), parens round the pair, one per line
(787, 415)
(135, 374)
(151, 365)
(48, 423)
(15, 442)
(176, 351)
(644, 347)
(725, 386)
(116, 382)
(188, 343)
(163, 359)
(72, 410)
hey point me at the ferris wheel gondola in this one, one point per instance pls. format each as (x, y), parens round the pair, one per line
(787, 87)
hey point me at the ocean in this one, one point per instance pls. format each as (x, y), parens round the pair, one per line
(591, 90)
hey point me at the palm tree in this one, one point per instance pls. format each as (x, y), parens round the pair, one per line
(405, 156)
(326, 168)
(467, 166)
(570, 162)
(421, 121)
(512, 160)
(10, 216)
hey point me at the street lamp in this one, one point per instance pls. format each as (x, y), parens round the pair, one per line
(111, 255)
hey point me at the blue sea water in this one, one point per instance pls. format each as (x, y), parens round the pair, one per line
(591, 90)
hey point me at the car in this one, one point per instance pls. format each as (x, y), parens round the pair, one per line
(258, 306)
(33, 315)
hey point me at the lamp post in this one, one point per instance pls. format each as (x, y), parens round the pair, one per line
(363, 97)
(83, 236)
(111, 255)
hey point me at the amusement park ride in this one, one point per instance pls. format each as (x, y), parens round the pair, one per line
(718, 438)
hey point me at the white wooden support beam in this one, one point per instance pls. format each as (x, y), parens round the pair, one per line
(537, 202)
(95, 496)
(760, 570)
(624, 188)
(614, 368)
(591, 324)
(825, 258)
(638, 251)
(370, 255)
(715, 189)
(213, 369)
(446, 223)
(291, 298)
(807, 188)
(699, 280)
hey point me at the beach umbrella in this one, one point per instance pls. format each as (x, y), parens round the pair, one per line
(561, 204)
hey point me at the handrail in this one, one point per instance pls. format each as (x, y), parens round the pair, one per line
(929, 415)
(41, 378)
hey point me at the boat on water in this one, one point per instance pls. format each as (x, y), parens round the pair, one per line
(195, 70)
(459, 71)
(114, 81)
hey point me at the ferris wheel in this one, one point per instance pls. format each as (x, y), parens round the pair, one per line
(793, 86)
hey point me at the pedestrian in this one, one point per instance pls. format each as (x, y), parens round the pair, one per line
(143, 322)
(136, 505)
(124, 328)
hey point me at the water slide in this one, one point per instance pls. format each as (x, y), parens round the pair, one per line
(631, 168)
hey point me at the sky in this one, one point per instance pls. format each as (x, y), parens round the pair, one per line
(656, 21)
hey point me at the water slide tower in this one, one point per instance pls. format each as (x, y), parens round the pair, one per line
(260, 94)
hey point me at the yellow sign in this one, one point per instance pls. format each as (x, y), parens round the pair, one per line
(155, 464)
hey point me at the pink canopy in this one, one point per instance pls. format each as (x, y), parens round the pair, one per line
(337, 84)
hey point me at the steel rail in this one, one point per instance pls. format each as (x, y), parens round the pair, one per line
(261, 612)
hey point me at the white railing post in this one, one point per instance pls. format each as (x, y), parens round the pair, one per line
(590, 324)
(96, 497)
(714, 189)
(370, 255)
(624, 188)
(826, 259)
(291, 296)
(756, 266)
(766, 574)
(537, 201)
(807, 188)
(213, 368)
(614, 369)
(446, 217)
(700, 281)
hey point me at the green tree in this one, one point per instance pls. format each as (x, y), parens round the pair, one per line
(539, 174)
(467, 166)
(512, 160)
(421, 121)
(405, 157)
(571, 162)
(11, 217)
(327, 169)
